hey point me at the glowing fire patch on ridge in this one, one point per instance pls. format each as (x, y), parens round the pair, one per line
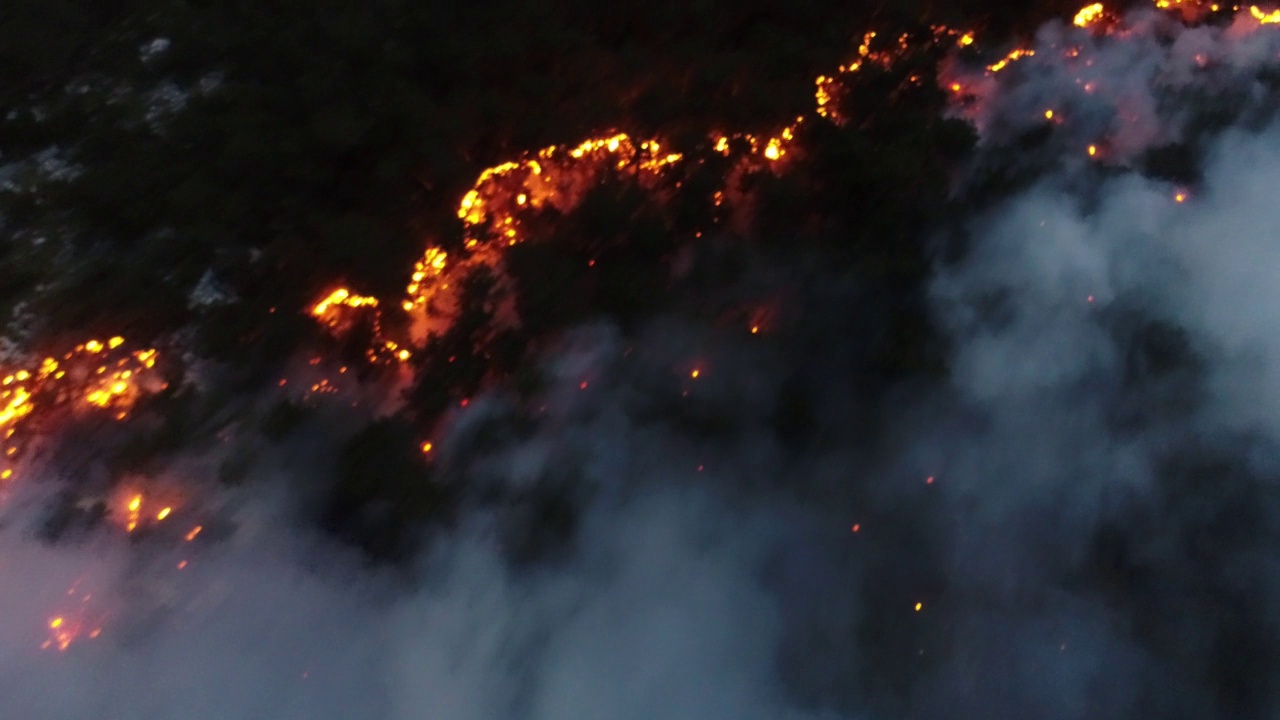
(558, 175)
(94, 375)
(1013, 56)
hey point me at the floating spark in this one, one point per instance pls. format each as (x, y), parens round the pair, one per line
(68, 626)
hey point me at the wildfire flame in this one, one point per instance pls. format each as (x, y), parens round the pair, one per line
(558, 176)
(94, 375)
(1088, 15)
(98, 375)
(1013, 56)
(326, 309)
(1270, 18)
(493, 208)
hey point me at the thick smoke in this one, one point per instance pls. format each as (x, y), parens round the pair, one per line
(1115, 526)
(661, 597)
(1078, 523)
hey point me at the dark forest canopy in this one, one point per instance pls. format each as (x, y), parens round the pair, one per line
(266, 151)
(282, 147)
(337, 126)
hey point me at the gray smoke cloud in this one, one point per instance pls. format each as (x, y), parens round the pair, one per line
(1083, 510)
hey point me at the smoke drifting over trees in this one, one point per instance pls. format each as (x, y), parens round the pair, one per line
(963, 406)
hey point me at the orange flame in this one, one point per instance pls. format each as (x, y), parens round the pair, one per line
(135, 513)
(1088, 15)
(1270, 18)
(91, 373)
(341, 297)
(1013, 56)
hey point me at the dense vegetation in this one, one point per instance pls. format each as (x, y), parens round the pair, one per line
(264, 151)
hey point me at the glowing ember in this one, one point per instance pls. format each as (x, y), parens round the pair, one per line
(134, 513)
(1191, 10)
(868, 53)
(494, 209)
(61, 634)
(339, 298)
(194, 532)
(1264, 18)
(1088, 15)
(92, 373)
(432, 265)
(67, 626)
(1013, 56)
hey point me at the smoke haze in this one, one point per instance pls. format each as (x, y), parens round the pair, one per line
(1080, 522)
